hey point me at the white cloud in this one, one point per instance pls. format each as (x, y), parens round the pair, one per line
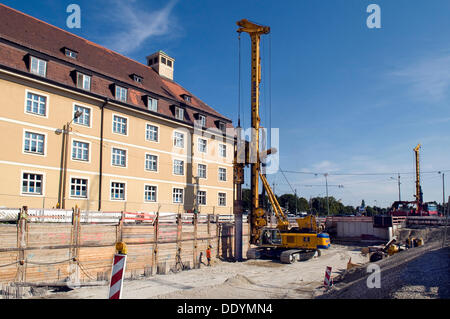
(137, 25)
(428, 78)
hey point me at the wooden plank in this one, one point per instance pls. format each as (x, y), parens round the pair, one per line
(8, 236)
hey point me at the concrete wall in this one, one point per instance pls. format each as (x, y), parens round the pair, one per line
(356, 229)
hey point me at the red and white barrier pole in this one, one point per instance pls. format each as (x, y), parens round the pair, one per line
(117, 275)
(328, 282)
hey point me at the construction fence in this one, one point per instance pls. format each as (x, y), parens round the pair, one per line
(54, 246)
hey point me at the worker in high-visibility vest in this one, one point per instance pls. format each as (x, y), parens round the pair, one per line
(208, 254)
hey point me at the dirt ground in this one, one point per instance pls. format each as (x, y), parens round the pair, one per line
(252, 279)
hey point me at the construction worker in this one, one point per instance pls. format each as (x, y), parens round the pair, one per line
(408, 242)
(208, 254)
(200, 261)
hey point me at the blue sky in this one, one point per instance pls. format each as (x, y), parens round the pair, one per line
(347, 99)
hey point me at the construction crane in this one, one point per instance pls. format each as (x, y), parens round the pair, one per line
(418, 195)
(404, 208)
(283, 242)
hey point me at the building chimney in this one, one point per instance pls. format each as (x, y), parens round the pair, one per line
(162, 63)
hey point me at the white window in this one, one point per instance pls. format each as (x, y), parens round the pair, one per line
(32, 184)
(177, 195)
(138, 78)
(151, 133)
(222, 174)
(85, 118)
(179, 113)
(119, 157)
(71, 54)
(152, 104)
(84, 81)
(80, 151)
(150, 193)
(121, 93)
(151, 162)
(34, 143)
(38, 66)
(201, 198)
(36, 104)
(178, 167)
(120, 125)
(201, 171)
(202, 144)
(222, 126)
(78, 187)
(222, 150)
(202, 120)
(117, 191)
(178, 139)
(222, 199)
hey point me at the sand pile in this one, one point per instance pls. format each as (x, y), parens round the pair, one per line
(239, 280)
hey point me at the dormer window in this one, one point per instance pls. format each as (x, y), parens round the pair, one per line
(70, 53)
(121, 93)
(137, 78)
(152, 104)
(186, 98)
(221, 126)
(201, 120)
(179, 113)
(38, 66)
(83, 81)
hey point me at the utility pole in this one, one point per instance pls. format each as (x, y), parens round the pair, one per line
(326, 184)
(443, 190)
(296, 208)
(399, 193)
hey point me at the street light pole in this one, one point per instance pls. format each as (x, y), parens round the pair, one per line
(66, 132)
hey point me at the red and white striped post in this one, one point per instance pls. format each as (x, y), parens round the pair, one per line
(117, 274)
(328, 282)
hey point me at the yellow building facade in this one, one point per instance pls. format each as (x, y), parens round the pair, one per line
(169, 153)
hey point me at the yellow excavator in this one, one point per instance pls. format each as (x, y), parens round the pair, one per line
(283, 242)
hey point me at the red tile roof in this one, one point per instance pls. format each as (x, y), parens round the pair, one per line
(108, 67)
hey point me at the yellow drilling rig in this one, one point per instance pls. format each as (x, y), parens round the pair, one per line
(283, 242)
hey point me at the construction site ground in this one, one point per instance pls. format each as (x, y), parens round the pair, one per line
(421, 272)
(251, 279)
